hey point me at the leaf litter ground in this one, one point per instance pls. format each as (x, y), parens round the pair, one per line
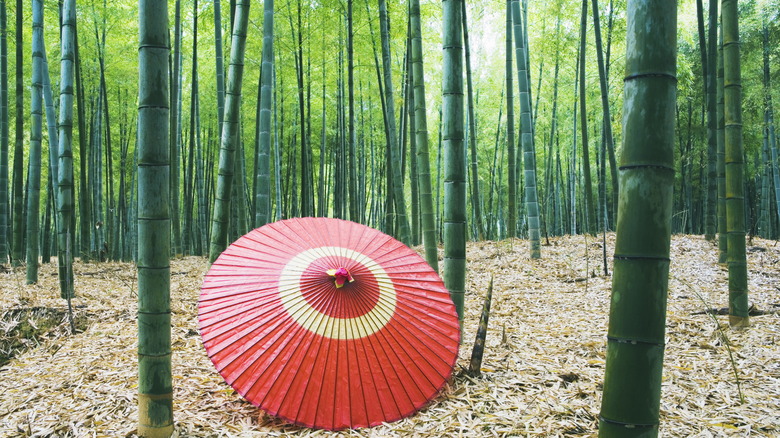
(541, 376)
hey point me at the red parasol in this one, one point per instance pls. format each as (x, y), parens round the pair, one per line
(328, 323)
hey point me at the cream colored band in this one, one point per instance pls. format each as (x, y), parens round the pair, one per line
(328, 326)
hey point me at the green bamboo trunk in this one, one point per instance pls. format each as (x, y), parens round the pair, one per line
(340, 171)
(175, 130)
(764, 228)
(230, 133)
(51, 120)
(704, 217)
(188, 218)
(421, 132)
(590, 206)
(399, 201)
(322, 203)
(607, 122)
(36, 133)
(530, 198)
(277, 153)
(510, 128)
(775, 163)
(17, 250)
(635, 348)
(239, 186)
(123, 230)
(735, 167)
(573, 174)
(47, 233)
(551, 219)
(770, 123)
(454, 156)
(155, 388)
(354, 198)
(200, 192)
(721, 165)
(85, 200)
(476, 199)
(492, 215)
(378, 189)
(188, 239)
(263, 173)
(219, 63)
(65, 151)
(711, 218)
(96, 151)
(306, 173)
(110, 216)
(4, 206)
(414, 182)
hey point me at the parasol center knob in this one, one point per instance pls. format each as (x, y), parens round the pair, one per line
(341, 276)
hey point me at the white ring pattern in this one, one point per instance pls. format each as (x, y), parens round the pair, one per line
(329, 326)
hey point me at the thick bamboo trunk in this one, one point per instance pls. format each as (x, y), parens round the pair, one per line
(635, 348)
(454, 156)
(155, 389)
(36, 133)
(735, 167)
(65, 177)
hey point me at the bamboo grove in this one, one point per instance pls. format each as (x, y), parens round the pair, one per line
(405, 116)
(338, 89)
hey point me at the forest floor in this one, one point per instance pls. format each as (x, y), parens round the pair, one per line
(541, 375)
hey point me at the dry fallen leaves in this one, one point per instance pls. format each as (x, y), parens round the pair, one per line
(542, 379)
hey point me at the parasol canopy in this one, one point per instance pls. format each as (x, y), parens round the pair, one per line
(328, 323)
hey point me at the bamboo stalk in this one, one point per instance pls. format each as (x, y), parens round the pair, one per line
(155, 387)
(635, 348)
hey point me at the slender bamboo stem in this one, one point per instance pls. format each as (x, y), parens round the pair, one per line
(230, 133)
